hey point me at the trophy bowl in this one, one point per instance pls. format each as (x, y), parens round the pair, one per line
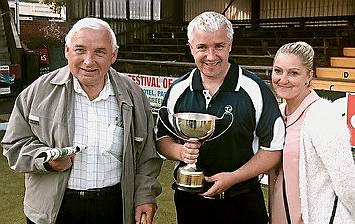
(196, 126)
(192, 127)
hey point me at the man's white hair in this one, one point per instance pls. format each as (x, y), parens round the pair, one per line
(92, 23)
(210, 21)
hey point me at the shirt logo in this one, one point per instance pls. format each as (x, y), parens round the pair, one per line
(228, 108)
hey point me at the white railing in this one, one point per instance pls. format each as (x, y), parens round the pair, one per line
(27, 9)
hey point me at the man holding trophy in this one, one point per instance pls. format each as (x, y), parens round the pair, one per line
(221, 124)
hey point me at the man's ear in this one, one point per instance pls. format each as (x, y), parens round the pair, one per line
(191, 49)
(66, 51)
(114, 56)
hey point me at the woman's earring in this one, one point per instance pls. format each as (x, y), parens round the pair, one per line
(306, 83)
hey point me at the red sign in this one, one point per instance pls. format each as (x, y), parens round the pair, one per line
(351, 116)
(43, 52)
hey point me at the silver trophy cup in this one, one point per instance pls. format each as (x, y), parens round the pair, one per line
(193, 127)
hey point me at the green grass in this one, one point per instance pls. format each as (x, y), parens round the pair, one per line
(12, 192)
(166, 208)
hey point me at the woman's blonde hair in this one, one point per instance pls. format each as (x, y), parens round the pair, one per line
(301, 49)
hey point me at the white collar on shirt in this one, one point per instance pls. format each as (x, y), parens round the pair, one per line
(104, 94)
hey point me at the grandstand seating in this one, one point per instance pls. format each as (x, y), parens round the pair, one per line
(166, 52)
(340, 76)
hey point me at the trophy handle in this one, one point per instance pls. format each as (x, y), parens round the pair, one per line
(227, 111)
(158, 118)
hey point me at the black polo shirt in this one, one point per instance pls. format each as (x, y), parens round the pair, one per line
(257, 120)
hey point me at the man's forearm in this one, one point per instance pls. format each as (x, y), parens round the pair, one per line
(261, 162)
(169, 148)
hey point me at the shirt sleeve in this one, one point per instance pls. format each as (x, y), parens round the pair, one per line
(271, 127)
(162, 123)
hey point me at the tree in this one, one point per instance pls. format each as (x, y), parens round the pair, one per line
(55, 5)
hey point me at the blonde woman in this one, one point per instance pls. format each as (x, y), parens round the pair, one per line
(316, 182)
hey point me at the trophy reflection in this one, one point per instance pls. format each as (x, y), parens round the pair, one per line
(193, 127)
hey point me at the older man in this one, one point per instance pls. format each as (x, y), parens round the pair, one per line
(86, 103)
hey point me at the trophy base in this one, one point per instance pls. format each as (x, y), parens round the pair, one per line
(190, 177)
(192, 190)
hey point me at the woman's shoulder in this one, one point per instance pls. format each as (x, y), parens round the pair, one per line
(326, 118)
(320, 115)
(320, 108)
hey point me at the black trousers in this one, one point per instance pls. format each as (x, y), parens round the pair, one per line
(105, 209)
(245, 208)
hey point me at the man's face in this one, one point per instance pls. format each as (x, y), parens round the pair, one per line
(211, 51)
(90, 56)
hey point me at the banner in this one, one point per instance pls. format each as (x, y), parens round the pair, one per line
(155, 87)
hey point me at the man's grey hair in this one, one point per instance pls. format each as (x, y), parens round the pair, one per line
(92, 23)
(210, 22)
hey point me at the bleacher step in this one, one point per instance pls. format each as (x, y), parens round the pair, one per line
(333, 85)
(349, 52)
(342, 62)
(336, 73)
